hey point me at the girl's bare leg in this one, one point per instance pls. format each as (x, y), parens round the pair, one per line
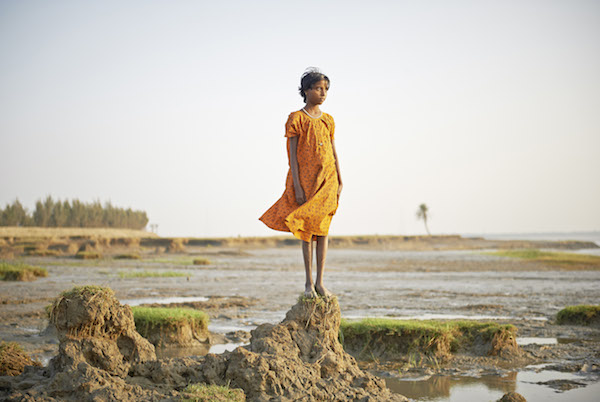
(307, 252)
(322, 242)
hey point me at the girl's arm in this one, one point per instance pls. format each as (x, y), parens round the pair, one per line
(337, 167)
(298, 190)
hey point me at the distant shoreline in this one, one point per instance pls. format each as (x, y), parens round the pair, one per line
(23, 241)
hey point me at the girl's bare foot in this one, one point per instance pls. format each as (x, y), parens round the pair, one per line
(309, 292)
(322, 291)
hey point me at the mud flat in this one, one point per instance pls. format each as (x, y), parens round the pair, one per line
(245, 287)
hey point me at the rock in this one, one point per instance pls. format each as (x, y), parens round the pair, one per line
(512, 397)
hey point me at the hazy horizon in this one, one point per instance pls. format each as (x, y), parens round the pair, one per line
(486, 111)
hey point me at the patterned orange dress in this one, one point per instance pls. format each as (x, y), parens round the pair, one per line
(318, 177)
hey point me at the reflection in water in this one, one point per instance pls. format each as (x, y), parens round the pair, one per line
(535, 384)
(439, 387)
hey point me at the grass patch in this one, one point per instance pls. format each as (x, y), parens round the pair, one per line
(171, 261)
(211, 392)
(579, 315)
(20, 272)
(149, 318)
(201, 261)
(88, 255)
(552, 257)
(389, 338)
(13, 359)
(87, 291)
(150, 274)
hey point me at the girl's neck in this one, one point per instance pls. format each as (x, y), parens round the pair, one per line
(313, 110)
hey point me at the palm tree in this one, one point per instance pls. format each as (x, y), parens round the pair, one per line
(423, 213)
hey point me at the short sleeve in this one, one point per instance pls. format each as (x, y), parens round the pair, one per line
(292, 126)
(330, 126)
(332, 129)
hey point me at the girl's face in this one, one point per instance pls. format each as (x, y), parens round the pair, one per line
(317, 94)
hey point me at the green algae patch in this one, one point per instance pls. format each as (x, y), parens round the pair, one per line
(579, 315)
(164, 326)
(564, 260)
(20, 272)
(389, 339)
(13, 359)
(150, 274)
(211, 392)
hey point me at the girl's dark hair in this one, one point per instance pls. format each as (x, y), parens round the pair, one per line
(311, 76)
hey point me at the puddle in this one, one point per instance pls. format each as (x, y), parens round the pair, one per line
(164, 300)
(536, 341)
(218, 349)
(203, 350)
(540, 386)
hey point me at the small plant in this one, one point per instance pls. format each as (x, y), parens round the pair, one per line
(579, 315)
(20, 272)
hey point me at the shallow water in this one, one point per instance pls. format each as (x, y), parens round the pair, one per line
(492, 387)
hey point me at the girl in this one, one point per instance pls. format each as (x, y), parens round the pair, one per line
(314, 183)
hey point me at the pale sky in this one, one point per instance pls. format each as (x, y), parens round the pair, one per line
(487, 111)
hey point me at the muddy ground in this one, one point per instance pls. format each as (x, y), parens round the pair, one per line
(245, 287)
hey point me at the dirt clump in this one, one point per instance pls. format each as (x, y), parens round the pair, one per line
(165, 327)
(13, 359)
(93, 327)
(512, 397)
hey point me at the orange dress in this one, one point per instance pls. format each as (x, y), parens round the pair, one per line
(318, 177)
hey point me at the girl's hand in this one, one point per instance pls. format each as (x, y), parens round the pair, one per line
(340, 186)
(300, 197)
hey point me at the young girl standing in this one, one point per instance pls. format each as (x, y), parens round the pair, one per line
(314, 183)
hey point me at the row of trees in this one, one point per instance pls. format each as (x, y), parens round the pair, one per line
(50, 213)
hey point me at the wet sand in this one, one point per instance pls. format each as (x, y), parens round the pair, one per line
(258, 285)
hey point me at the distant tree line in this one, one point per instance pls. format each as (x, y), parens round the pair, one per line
(75, 213)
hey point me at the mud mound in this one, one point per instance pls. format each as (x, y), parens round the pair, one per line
(93, 327)
(164, 326)
(397, 340)
(98, 345)
(299, 359)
